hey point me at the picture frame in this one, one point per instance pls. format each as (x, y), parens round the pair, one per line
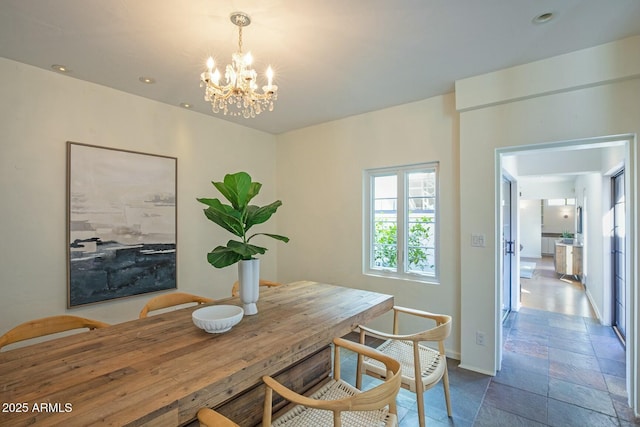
(121, 223)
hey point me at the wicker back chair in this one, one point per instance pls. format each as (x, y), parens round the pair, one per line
(422, 367)
(48, 326)
(170, 300)
(338, 403)
(235, 289)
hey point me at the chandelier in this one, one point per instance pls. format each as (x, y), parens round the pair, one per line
(239, 95)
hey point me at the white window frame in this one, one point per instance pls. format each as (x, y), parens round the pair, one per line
(401, 271)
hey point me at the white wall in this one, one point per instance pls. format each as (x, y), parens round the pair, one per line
(320, 175)
(591, 194)
(558, 219)
(40, 111)
(593, 106)
(546, 188)
(530, 228)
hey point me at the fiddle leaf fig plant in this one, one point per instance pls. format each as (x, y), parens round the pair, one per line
(237, 218)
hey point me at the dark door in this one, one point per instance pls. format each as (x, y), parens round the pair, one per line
(618, 252)
(507, 247)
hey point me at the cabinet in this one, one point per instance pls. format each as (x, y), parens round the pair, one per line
(548, 245)
(568, 259)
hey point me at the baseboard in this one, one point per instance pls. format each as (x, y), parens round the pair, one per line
(593, 305)
(476, 369)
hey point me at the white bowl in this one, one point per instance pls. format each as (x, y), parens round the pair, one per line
(216, 319)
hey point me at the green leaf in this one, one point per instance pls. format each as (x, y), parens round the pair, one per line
(224, 216)
(208, 202)
(244, 249)
(254, 189)
(258, 215)
(273, 236)
(222, 257)
(236, 189)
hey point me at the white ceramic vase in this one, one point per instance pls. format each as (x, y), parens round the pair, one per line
(249, 278)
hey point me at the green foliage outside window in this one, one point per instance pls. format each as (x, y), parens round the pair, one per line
(385, 244)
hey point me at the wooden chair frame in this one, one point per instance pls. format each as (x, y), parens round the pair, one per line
(170, 300)
(210, 418)
(369, 400)
(436, 334)
(235, 289)
(47, 326)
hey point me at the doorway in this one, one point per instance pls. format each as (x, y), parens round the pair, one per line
(565, 158)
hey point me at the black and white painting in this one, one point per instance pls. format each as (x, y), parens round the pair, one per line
(121, 223)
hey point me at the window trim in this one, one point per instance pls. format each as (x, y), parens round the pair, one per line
(401, 272)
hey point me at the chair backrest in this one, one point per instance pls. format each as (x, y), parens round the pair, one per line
(235, 290)
(47, 326)
(376, 397)
(439, 333)
(170, 300)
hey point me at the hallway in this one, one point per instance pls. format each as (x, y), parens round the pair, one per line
(560, 366)
(544, 291)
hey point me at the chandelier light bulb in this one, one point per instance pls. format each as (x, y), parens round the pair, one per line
(216, 77)
(269, 76)
(239, 95)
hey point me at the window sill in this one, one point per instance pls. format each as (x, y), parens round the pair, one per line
(416, 278)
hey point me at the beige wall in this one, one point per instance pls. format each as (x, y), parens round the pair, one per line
(320, 177)
(40, 111)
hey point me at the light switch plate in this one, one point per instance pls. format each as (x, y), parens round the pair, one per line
(478, 240)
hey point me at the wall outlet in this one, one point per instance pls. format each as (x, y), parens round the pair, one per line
(480, 338)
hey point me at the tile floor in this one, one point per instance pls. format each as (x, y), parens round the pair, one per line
(558, 370)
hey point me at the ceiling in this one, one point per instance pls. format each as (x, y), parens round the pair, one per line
(332, 58)
(561, 164)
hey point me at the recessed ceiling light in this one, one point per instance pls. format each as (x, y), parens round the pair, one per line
(60, 68)
(185, 105)
(147, 80)
(543, 18)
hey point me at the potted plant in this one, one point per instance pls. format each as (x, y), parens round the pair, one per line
(567, 237)
(238, 217)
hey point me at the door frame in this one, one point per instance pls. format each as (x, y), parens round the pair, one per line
(515, 262)
(633, 293)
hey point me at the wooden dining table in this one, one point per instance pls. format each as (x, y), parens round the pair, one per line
(159, 371)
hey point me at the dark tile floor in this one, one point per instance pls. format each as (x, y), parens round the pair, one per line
(558, 370)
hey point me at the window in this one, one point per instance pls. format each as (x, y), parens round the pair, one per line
(561, 202)
(401, 222)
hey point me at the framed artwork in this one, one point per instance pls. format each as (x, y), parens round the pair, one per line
(121, 223)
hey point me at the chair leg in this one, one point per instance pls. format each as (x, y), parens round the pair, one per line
(417, 375)
(359, 364)
(445, 383)
(420, 399)
(266, 414)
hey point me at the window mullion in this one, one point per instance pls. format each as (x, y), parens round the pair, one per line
(402, 216)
